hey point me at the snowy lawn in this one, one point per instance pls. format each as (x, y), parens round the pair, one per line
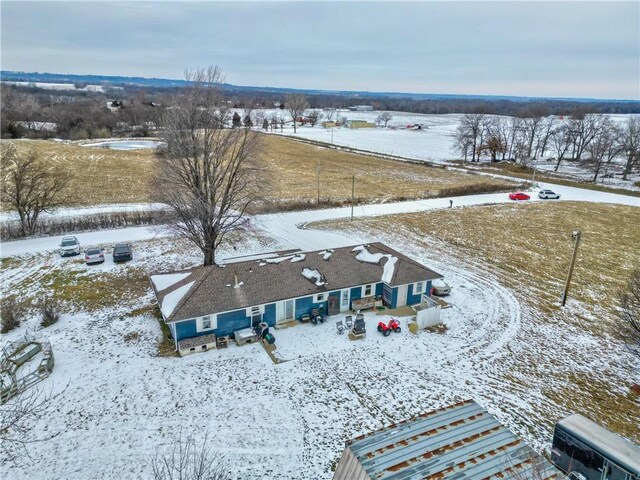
(507, 347)
(560, 359)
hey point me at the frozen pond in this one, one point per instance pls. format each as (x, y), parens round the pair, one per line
(126, 145)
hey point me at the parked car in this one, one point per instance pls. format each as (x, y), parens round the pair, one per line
(93, 255)
(548, 194)
(440, 287)
(69, 246)
(122, 252)
(519, 196)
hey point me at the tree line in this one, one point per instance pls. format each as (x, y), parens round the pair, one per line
(597, 139)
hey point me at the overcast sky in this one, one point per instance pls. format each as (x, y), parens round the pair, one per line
(572, 49)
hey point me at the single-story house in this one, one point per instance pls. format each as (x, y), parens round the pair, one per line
(461, 441)
(280, 287)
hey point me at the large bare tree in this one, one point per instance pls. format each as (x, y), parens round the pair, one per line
(630, 143)
(189, 461)
(630, 312)
(295, 105)
(31, 186)
(206, 173)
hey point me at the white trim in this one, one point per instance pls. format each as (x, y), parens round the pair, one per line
(364, 290)
(423, 290)
(200, 323)
(249, 310)
(325, 296)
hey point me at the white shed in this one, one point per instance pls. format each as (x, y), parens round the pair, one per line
(427, 313)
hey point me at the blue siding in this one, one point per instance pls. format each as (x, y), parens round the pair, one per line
(356, 293)
(303, 305)
(411, 298)
(394, 297)
(379, 289)
(269, 315)
(186, 329)
(232, 321)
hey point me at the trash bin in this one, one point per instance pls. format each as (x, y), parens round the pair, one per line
(270, 339)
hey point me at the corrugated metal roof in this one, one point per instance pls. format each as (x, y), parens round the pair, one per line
(461, 441)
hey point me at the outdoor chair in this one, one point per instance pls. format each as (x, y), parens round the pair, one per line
(349, 321)
(340, 327)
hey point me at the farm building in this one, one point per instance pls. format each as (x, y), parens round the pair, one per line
(461, 441)
(281, 287)
(361, 108)
(360, 124)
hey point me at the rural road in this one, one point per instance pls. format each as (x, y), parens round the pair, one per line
(286, 226)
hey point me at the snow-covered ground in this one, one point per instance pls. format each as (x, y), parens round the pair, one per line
(125, 144)
(290, 420)
(61, 86)
(285, 225)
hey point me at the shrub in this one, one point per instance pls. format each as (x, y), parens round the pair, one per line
(10, 314)
(636, 184)
(50, 313)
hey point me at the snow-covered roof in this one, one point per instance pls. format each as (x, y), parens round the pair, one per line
(280, 276)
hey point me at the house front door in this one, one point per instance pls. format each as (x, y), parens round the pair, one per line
(284, 311)
(344, 300)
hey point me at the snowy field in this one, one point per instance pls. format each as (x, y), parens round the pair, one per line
(61, 86)
(433, 142)
(121, 401)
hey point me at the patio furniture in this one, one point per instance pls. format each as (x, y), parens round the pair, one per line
(305, 318)
(340, 327)
(363, 303)
(349, 321)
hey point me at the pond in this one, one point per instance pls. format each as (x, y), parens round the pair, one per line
(126, 144)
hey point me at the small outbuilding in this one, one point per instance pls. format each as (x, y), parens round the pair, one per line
(462, 441)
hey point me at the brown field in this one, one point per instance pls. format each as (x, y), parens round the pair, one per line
(103, 176)
(527, 247)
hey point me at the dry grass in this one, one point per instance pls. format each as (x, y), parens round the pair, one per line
(528, 248)
(104, 176)
(100, 175)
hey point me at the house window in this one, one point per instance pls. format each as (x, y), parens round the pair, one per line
(206, 323)
(255, 311)
(367, 290)
(419, 287)
(319, 297)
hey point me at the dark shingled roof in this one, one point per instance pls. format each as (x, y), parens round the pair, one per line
(264, 281)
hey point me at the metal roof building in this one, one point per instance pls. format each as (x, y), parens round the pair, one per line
(461, 441)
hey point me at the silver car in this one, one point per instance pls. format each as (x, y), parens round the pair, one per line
(93, 255)
(544, 194)
(440, 288)
(69, 246)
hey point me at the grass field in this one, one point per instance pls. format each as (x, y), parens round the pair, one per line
(103, 176)
(527, 247)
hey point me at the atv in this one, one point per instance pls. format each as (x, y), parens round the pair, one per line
(387, 328)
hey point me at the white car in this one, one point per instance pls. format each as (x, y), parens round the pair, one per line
(69, 246)
(544, 194)
(440, 288)
(93, 255)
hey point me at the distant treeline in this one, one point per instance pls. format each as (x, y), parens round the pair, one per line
(134, 110)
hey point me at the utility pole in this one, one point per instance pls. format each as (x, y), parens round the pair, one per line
(318, 168)
(353, 192)
(576, 238)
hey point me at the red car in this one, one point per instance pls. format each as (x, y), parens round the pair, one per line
(519, 196)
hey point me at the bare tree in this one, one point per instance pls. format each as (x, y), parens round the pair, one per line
(30, 186)
(329, 113)
(189, 461)
(384, 118)
(296, 105)
(561, 141)
(206, 173)
(603, 146)
(469, 134)
(544, 134)
(630, 144)
(313, 116)
(630, 312)
(16, 417)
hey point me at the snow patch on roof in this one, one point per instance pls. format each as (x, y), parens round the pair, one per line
(326, 254)
(171, 300)
(365, 255)
(298, 258)
(314, 275)
(164, 281)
